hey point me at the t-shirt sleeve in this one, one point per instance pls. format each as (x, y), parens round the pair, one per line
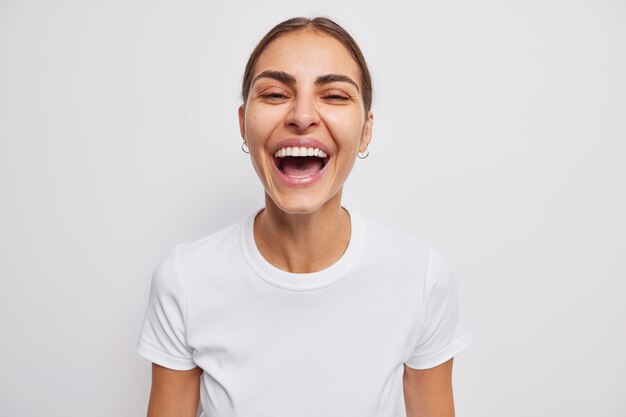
(162, 339)
(444, 333)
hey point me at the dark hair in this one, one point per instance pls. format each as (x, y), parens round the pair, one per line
(318, 24)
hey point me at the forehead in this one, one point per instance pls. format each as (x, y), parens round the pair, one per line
(307, 54)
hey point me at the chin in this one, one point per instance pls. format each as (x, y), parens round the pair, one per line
(299, 207)
(299, 203)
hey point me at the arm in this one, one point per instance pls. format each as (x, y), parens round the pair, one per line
(428, 392)
(174, 393)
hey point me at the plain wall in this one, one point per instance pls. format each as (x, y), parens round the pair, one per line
(499, 137)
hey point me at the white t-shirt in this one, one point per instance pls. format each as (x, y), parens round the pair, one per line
(331, 343)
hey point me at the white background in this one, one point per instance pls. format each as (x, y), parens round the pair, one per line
(499, 137)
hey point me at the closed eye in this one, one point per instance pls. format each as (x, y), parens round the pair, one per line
(273, 95)
(336, 97)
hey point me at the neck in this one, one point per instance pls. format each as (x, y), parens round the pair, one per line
(302, 243)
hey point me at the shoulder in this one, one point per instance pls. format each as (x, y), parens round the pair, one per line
(383, 237)
(193, 252)
(212, 244)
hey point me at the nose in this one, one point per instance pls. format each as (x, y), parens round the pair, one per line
(303, 113)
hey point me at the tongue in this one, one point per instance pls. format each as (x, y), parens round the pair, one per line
(301, 166)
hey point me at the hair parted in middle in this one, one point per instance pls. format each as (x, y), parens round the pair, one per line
(318, 24)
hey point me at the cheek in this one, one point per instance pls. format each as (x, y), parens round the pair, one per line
(345, 128)
(256, 127)
(260, 124)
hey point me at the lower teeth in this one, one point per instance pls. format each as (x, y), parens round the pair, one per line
(303, 176)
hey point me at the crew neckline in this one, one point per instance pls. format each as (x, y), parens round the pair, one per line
(301, 281)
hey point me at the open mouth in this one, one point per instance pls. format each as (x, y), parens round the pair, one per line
(300, 166)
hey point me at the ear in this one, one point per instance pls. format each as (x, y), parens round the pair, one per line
(242, 128)
(366, 134)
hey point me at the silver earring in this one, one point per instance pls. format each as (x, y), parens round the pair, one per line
(363, 156)
(244, 147)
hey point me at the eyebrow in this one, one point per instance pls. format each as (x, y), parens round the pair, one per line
(291, 80)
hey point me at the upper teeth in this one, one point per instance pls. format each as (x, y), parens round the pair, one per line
(295, 151)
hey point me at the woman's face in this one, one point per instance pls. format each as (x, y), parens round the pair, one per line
(305, 93)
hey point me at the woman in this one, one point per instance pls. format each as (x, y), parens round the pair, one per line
(304, 308)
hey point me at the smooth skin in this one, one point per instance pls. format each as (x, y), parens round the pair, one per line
(174, 393)
(307, 227)
(428, 392)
